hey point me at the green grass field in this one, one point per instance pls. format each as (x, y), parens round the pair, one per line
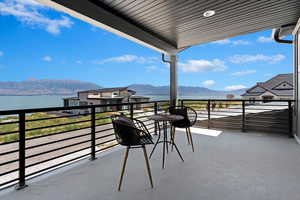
(48, 122)
(103, 119)
(202, 105)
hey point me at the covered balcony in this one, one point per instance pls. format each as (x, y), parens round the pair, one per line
(235, 156)
(242, 151)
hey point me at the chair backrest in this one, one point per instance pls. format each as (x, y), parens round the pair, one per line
(125, 130)
(184, 111)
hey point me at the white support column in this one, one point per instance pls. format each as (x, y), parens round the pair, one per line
(173, 80)
(296, 86)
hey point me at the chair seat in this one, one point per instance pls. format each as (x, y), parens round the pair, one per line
(141, 140)
(145, 140)
(130, 132)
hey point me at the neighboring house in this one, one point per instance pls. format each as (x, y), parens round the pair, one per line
(105, 96)
(279, 87)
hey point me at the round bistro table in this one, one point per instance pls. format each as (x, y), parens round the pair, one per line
(164, 119)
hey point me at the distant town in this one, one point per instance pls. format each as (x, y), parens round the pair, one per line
(279, 87)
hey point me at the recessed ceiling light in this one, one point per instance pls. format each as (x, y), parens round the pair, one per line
(209, 13)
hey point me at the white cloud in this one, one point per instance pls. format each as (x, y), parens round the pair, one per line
(235, 87)
(238, 59)
(151, 68)
(240, 42)
(214, 65)
(47, 58)
(120, 59)
(232, 42)
(241, 73)
(264, 39)
(29, 12)
(1, 53)
(208, 83)
(30, 2)
(127, 58)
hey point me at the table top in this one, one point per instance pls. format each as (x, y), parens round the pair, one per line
(165, 117)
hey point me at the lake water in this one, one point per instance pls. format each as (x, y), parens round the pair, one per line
(24, 102)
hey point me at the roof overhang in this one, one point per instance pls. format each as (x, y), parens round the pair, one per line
(100, 17)
(172, 26)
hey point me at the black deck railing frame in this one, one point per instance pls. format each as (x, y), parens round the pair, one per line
(244, 103)
(21, 113)
(155, 105)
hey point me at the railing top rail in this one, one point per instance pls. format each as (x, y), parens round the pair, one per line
(256, 100)
(31, 110)
(49, 109)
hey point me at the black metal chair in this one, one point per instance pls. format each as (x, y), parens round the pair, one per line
(131, 133)
(190, 118)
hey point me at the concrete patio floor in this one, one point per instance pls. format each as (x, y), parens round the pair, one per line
(225, 165)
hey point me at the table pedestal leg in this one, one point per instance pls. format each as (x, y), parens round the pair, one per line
(164, 146)
(177, 151)
(165, 142)
(157, 141)
(166, 133)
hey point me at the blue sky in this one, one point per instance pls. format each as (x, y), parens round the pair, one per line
(38, 42)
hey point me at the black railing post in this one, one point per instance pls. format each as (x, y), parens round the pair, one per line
(290, 118)
(22, 154)
(131, 111)
(182, 104)
(208, 114)
(243, 116)
(93, 133)
(155, 123)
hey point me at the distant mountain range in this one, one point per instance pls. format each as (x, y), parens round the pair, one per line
(145, 89)
(70, 87)
(44, 87)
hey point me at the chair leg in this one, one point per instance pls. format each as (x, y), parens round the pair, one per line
(187, 135)
(191, 139)
(173, 129)
(148, 166)
(123, 168)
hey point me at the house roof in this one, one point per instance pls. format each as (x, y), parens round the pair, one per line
(108, 98)
(270, 86)
(107, 89)
(105, 98)
(113, 98)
